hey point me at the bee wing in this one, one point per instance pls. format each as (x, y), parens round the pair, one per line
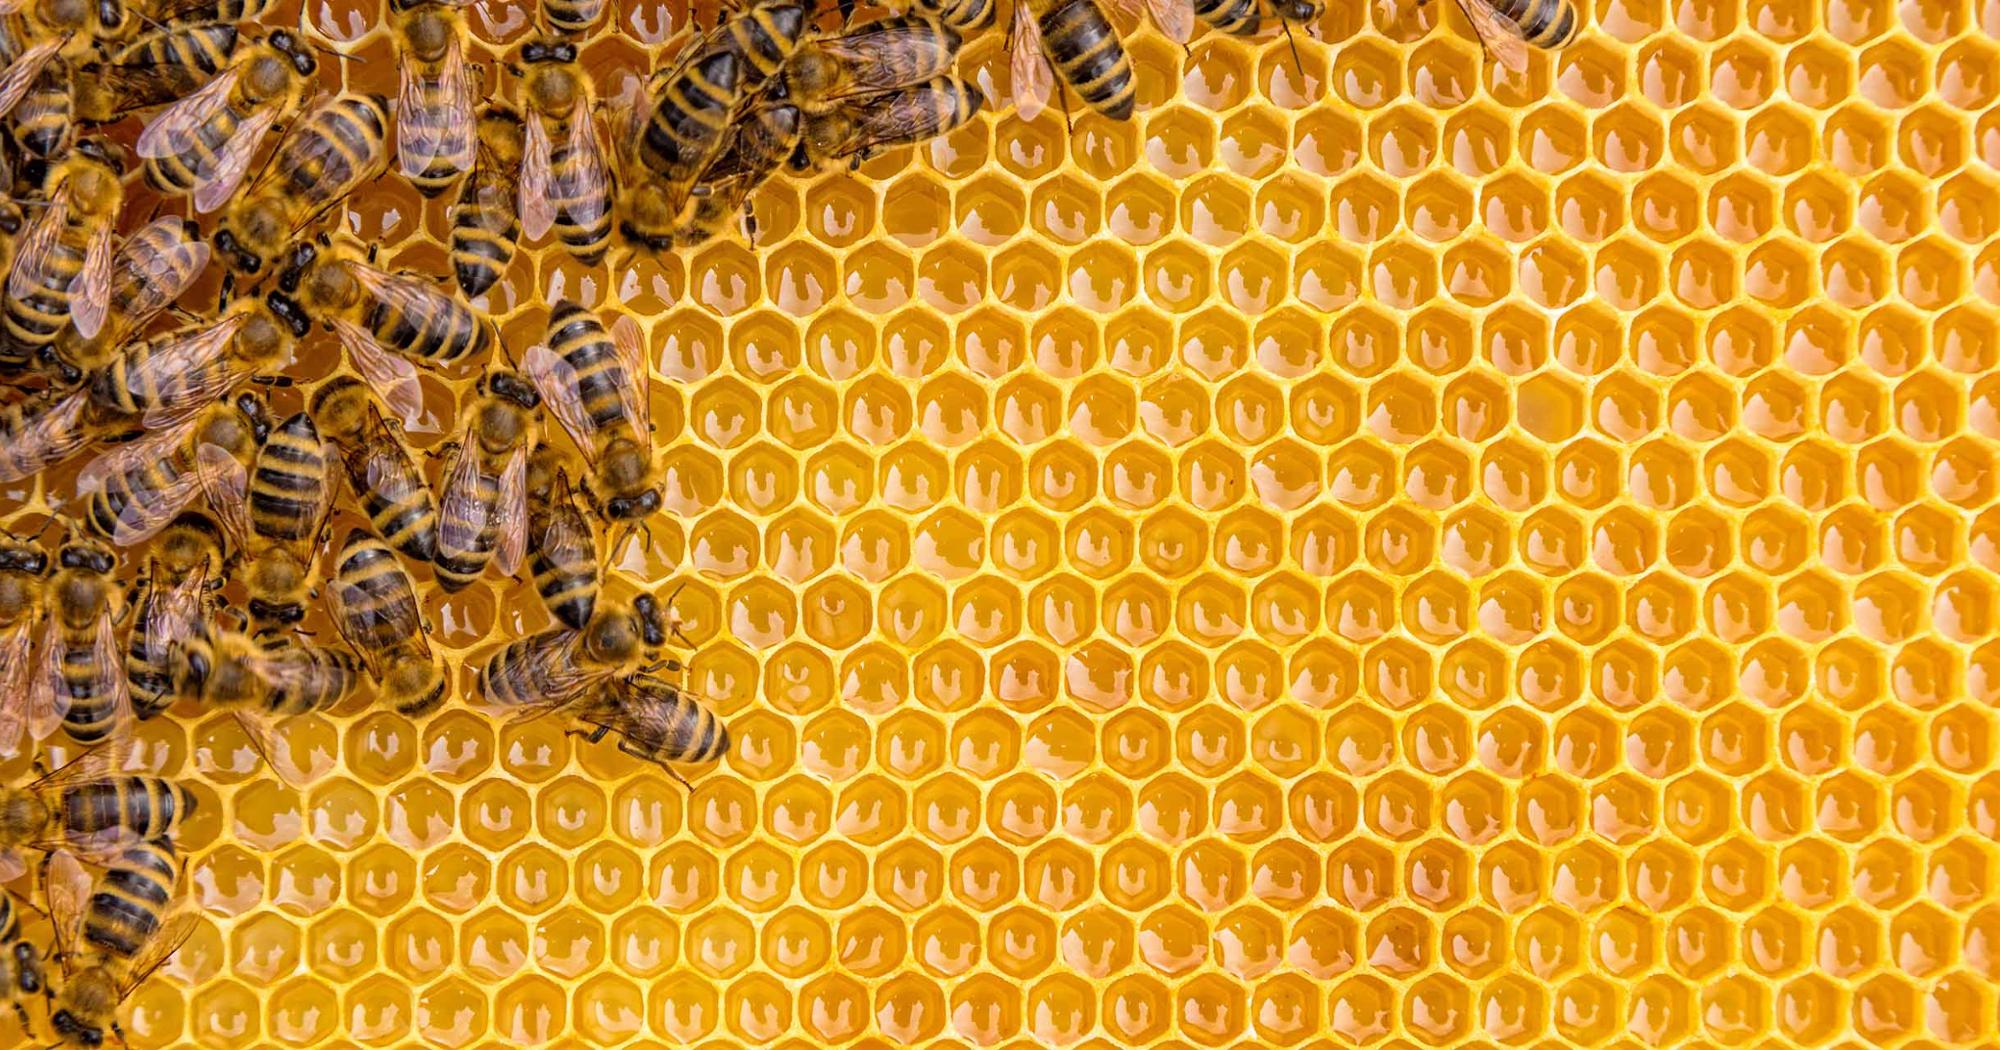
(102, 762)
(93, 286)
(461, 515)
(150, 447)
(419, 142)
(216, 183)
(630, 343)
(276, 751)
(172, 131)
(167, 940)
(11, 865)
(556, 381)
(388, 469)
(179, 613)
(153, 290)
(108, 672)
(538, 212)
(30, 272)
(1032, 78)
(393, 378)
(48, 694)
(511, 515)
(68, 888)
(99, 847)
(22, 72)
(566, 537)
(17, 652)
(586, 180)
(1498, 34)
(190, 353)
(455, 85)
(52, 437)
(226, 483)
(1174, 17)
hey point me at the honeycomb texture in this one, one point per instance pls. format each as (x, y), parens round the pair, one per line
(1368, 553)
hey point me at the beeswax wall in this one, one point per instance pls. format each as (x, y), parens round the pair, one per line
(1373, 552)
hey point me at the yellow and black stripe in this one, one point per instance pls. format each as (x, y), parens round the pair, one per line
(688, 116)
(131, 899)
(1543, 23)
(1235, 17)
(486, 220)
(376, 593)
(1084, 47)
(150, 807)
(288, 485)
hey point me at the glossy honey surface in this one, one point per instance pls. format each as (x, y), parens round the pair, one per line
(1380, 552)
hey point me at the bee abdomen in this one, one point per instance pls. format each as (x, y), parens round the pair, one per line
(43, 116)
(125, 912)
(1084, 45)
(342, 143)
(1235, 17)
(689, 115)
(288, 485)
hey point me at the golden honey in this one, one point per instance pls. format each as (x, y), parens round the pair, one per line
(1373, 551)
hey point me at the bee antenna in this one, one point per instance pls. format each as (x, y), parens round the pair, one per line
(1293, 43)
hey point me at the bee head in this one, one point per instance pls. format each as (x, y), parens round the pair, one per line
(236, 252)
(652, 623)
(303, 61)
(627, 508)
(67, 1026)
(281, 613)
(548, 51)
(1298, 10)
(23, 558)
(288, 311)
(254, 410)
(303, 255)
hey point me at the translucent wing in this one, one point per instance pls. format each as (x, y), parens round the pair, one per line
(226, 483)
(420, 141)
(630, 343)
(511, 514)
(566, 538)
(22, 72)
(1499, 35)
(92, 293)
(394, 379)
(11, 865)
(455, 89)
(151, 290)
(585, 182)
(180, 356)
(461, 513)
(388, 469)
(1033, 79)
(884, 58)
(217, 182)
(276, 751)
(538, 212)
(165, 942)
(108, 672)
(51, 437)
(556, 381)
(30, 273)
(48, 695)
(17, 651)
(1174, 17)
(175, 128)
(68, 888)
(539, 710)
(150, 447)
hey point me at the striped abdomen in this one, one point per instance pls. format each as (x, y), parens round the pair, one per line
(660, 722)
(396, 500)
(319, 678)
(763, 39)
(34, 320)
(485, 224)
(685, 127)
(1084, 47)
(586, 347)
(148, 667)
(129, 386)
(586, 239)
(150, 807)
(43, 121)
(443, 330)
(572, 16)
(566, 577)
(376, 594)
(1235, 17)
(341, 144)
(93, 715)
(523, 672)
(137, 495)
(125, 911)
(176, 172)
(194, 52)
(1543, 23)
(959, 14)
(288, 484)
(458, 563)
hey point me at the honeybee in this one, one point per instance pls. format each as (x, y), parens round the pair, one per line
(758, 145)
(203, 143)
(762, 36)
(174, 11)
(379, 315)
(41, 430)
(486, 218)
(259, 680)
(111, 935)
(1508, 27)
(1075, 39)
(134, 490)
(858, 129)
(434, 129)
(157, 262)
(338, 145)
(379, 468)
(375, 608)
(678, 134)
(60, 29)
(163, 379)
(44, 120)
(881, 56)
(89, 806)
(968, 16)
(562, 549)
(572, 16)
(24, 571)
(482, 505)
(595, 384)
(61, 272)
(290, 491)
(656, 721)
(80, 681)
(21, 972)
(567, 188)
(560, 665)
(161, 65)
(181, 575)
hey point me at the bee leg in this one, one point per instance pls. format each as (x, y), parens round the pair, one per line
(590, 736)
(664, 768)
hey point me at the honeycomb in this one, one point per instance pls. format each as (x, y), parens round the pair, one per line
(1373, 551)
